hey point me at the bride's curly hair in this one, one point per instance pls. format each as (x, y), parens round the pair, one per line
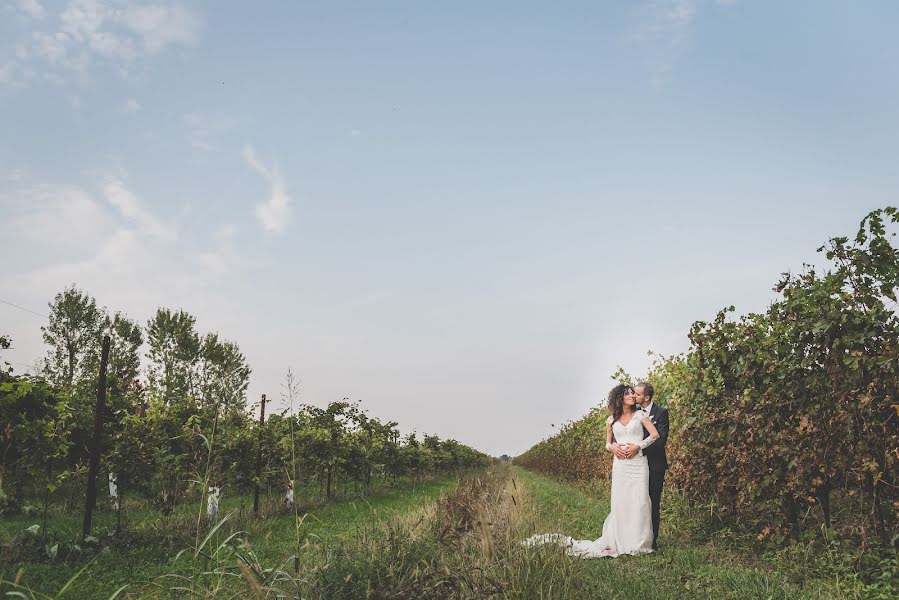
(616, 400)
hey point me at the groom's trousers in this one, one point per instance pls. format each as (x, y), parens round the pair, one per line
(656, 480)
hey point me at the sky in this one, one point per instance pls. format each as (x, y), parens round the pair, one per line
(465, 215)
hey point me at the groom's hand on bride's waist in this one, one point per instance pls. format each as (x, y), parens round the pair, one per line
(631, 450)
(624, 451)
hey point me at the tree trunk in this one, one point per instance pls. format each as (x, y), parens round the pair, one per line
(95, 442)
(791, 511)
(259, 457)
(823, 495)
(46, 507)
(120, 501)
(880, 527)
(73, 488)
(330, 476)
(71, 374)
(19, 483)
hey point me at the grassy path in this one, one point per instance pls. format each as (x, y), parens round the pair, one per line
(272, 540)
(683, 568)
(403, 544)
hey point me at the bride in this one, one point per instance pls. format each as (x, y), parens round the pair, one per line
(628, 528)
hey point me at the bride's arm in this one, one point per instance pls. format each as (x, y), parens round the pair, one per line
(653, 433)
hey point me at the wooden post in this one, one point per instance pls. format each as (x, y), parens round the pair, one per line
(259, 457)
(91, 499)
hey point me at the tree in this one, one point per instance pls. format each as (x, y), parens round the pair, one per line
(174, 352)
(222, 375)
(73, 334)
(786, 407)
(124, 361)
(325, 439)
(5, 343)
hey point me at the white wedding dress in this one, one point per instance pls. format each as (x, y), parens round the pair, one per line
(628, 528)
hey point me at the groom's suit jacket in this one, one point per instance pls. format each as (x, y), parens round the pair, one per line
(655, 452)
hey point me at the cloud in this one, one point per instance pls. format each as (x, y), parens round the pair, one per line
(130, 208)
(53, 216)
(222, 258)
(205, 129)
(274, 212)
(120, 33)
(74, 234)
(32, 8)
(15, 175)
(111, 246)
(665, 29)
(129, 271)
(57, 51)
(161, 25)
(68, 215)
(8, 73)
(131, 106)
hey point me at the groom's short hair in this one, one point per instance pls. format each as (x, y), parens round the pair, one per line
(648, 390)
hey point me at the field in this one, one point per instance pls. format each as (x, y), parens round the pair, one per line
(793, 412)
(148, 545)
(448, 538)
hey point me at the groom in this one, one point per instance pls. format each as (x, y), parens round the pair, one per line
(655, 453)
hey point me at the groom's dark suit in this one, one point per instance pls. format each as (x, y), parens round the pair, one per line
(658, 463)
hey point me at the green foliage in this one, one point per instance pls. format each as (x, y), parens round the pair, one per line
(174, 353)
(36, 435)
(576, 452)
(794, 411)
(123, 370)
(73, 334)
(222, 374)
(787, 406)
(184, 363)
(700, 556)
(153, 554)
(189, 428)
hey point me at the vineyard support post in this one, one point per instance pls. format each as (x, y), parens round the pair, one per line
(99, 411)
(259, 457)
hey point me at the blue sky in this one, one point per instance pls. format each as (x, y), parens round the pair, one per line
(465, 215)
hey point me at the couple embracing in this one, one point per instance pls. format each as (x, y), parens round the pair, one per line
(636, 433)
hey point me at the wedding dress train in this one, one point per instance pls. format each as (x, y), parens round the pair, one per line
(628, 527)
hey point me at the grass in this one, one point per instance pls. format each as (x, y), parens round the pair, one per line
(447, 550)
(687, 566)
(482, 555)
(147, 548)
(449, 541)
